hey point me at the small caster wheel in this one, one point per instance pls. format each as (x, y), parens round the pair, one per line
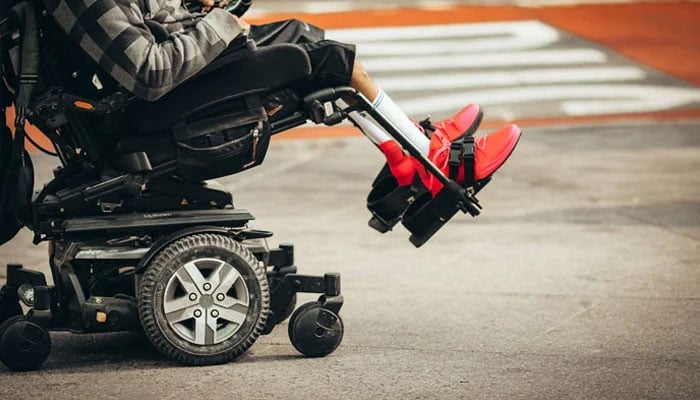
(315, 331)
(24, 345)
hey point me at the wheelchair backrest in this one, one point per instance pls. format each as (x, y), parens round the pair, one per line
(66, 69)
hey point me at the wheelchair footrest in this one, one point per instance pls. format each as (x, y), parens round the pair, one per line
(387, 201)
(420, 212)
(428, 214)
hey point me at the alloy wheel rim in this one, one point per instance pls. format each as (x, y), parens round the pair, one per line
(206, 301)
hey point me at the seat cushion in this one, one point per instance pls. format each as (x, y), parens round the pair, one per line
(230, 77)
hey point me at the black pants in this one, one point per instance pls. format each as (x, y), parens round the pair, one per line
(331, 62)
(331, 65)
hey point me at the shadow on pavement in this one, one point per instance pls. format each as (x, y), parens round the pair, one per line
(73, 353)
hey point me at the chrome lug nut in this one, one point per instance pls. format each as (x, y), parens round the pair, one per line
(193, 296)
(220, 297)
(197, 313)
(214, 313)
(207, 286)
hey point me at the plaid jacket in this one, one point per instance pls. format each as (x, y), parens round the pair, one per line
(114, 34)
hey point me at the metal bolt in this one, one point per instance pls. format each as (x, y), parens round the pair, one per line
(193, 296)
(220, 297)
(197, 313)
(207, 286)
(214, 313)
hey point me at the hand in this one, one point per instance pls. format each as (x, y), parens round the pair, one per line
(245, 26)
(207, 5)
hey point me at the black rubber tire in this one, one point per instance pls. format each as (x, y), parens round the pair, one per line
(302, 332)
(17, 358)
(153, 283)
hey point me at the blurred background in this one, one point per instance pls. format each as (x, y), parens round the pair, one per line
(579, 281)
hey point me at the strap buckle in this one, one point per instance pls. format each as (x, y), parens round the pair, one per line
(455, 158)
(462, 154)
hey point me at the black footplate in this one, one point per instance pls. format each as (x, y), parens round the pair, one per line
(414, 205)
(425, 216)
(387, 201)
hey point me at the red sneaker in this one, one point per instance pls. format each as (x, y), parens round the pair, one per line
(492, 150)
(404, 167)
(490, 153)
(463, 123)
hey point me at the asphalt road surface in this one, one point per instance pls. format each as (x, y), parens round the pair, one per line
(579, 281)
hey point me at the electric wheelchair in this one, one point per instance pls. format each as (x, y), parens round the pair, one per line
(139, 237)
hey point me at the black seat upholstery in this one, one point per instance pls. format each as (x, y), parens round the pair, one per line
(261, 71)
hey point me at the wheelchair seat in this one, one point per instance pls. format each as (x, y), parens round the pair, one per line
(203, 98)
(244, 73)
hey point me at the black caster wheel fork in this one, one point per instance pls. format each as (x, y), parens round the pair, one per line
(284, 292)
(315, 328)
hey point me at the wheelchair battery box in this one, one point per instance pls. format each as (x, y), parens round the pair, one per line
(110, 314)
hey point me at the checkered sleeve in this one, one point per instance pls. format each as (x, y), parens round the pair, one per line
(114, 35)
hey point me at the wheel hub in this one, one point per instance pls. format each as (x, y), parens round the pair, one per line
(206, 301)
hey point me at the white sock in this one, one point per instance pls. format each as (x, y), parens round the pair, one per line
(386, 106)
(372, 131)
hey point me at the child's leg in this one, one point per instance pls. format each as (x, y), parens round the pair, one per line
(401, 166)
(364, 84)
(488, 158)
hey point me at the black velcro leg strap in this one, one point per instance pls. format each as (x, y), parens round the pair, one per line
(462, 154)
(387, 201)
(468, 161)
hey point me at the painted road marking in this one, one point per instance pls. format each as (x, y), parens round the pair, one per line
(513, 78)
(505, 59)
(516, 69)
(574, 100)
(332, 6)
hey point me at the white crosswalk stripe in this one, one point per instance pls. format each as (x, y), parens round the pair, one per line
(513, 69)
